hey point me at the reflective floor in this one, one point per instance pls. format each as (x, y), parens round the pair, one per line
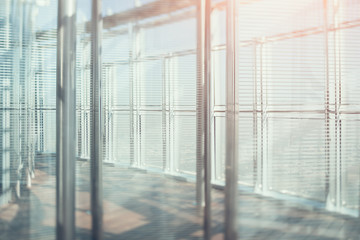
(144, 205)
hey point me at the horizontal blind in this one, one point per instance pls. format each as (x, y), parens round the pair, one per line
(298, 85)
(345, 58)
(27, 114)
(150, 85)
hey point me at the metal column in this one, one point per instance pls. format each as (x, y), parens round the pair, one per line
(207, 118)
(65, 121)
(199, 109)
(96, 123)
(203, 152)
(232, 123)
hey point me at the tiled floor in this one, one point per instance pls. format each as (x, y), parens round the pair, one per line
(140, 205)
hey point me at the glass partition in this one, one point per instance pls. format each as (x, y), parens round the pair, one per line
(295, 67)
(28, 103)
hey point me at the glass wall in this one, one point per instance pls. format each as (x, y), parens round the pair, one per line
(27, 138)
(298, 113)
(149, 73)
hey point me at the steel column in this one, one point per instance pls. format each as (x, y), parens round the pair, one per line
(232, 123)
(203, 110)
(199, 109)
(207, 118)
(96, 123)
(65, 121)
(203, 106)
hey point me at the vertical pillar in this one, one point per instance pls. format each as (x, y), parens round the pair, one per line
(232, 120)
(199, 109)
(65, 120)
(207, 117)
(96, 123)
(203, 110)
